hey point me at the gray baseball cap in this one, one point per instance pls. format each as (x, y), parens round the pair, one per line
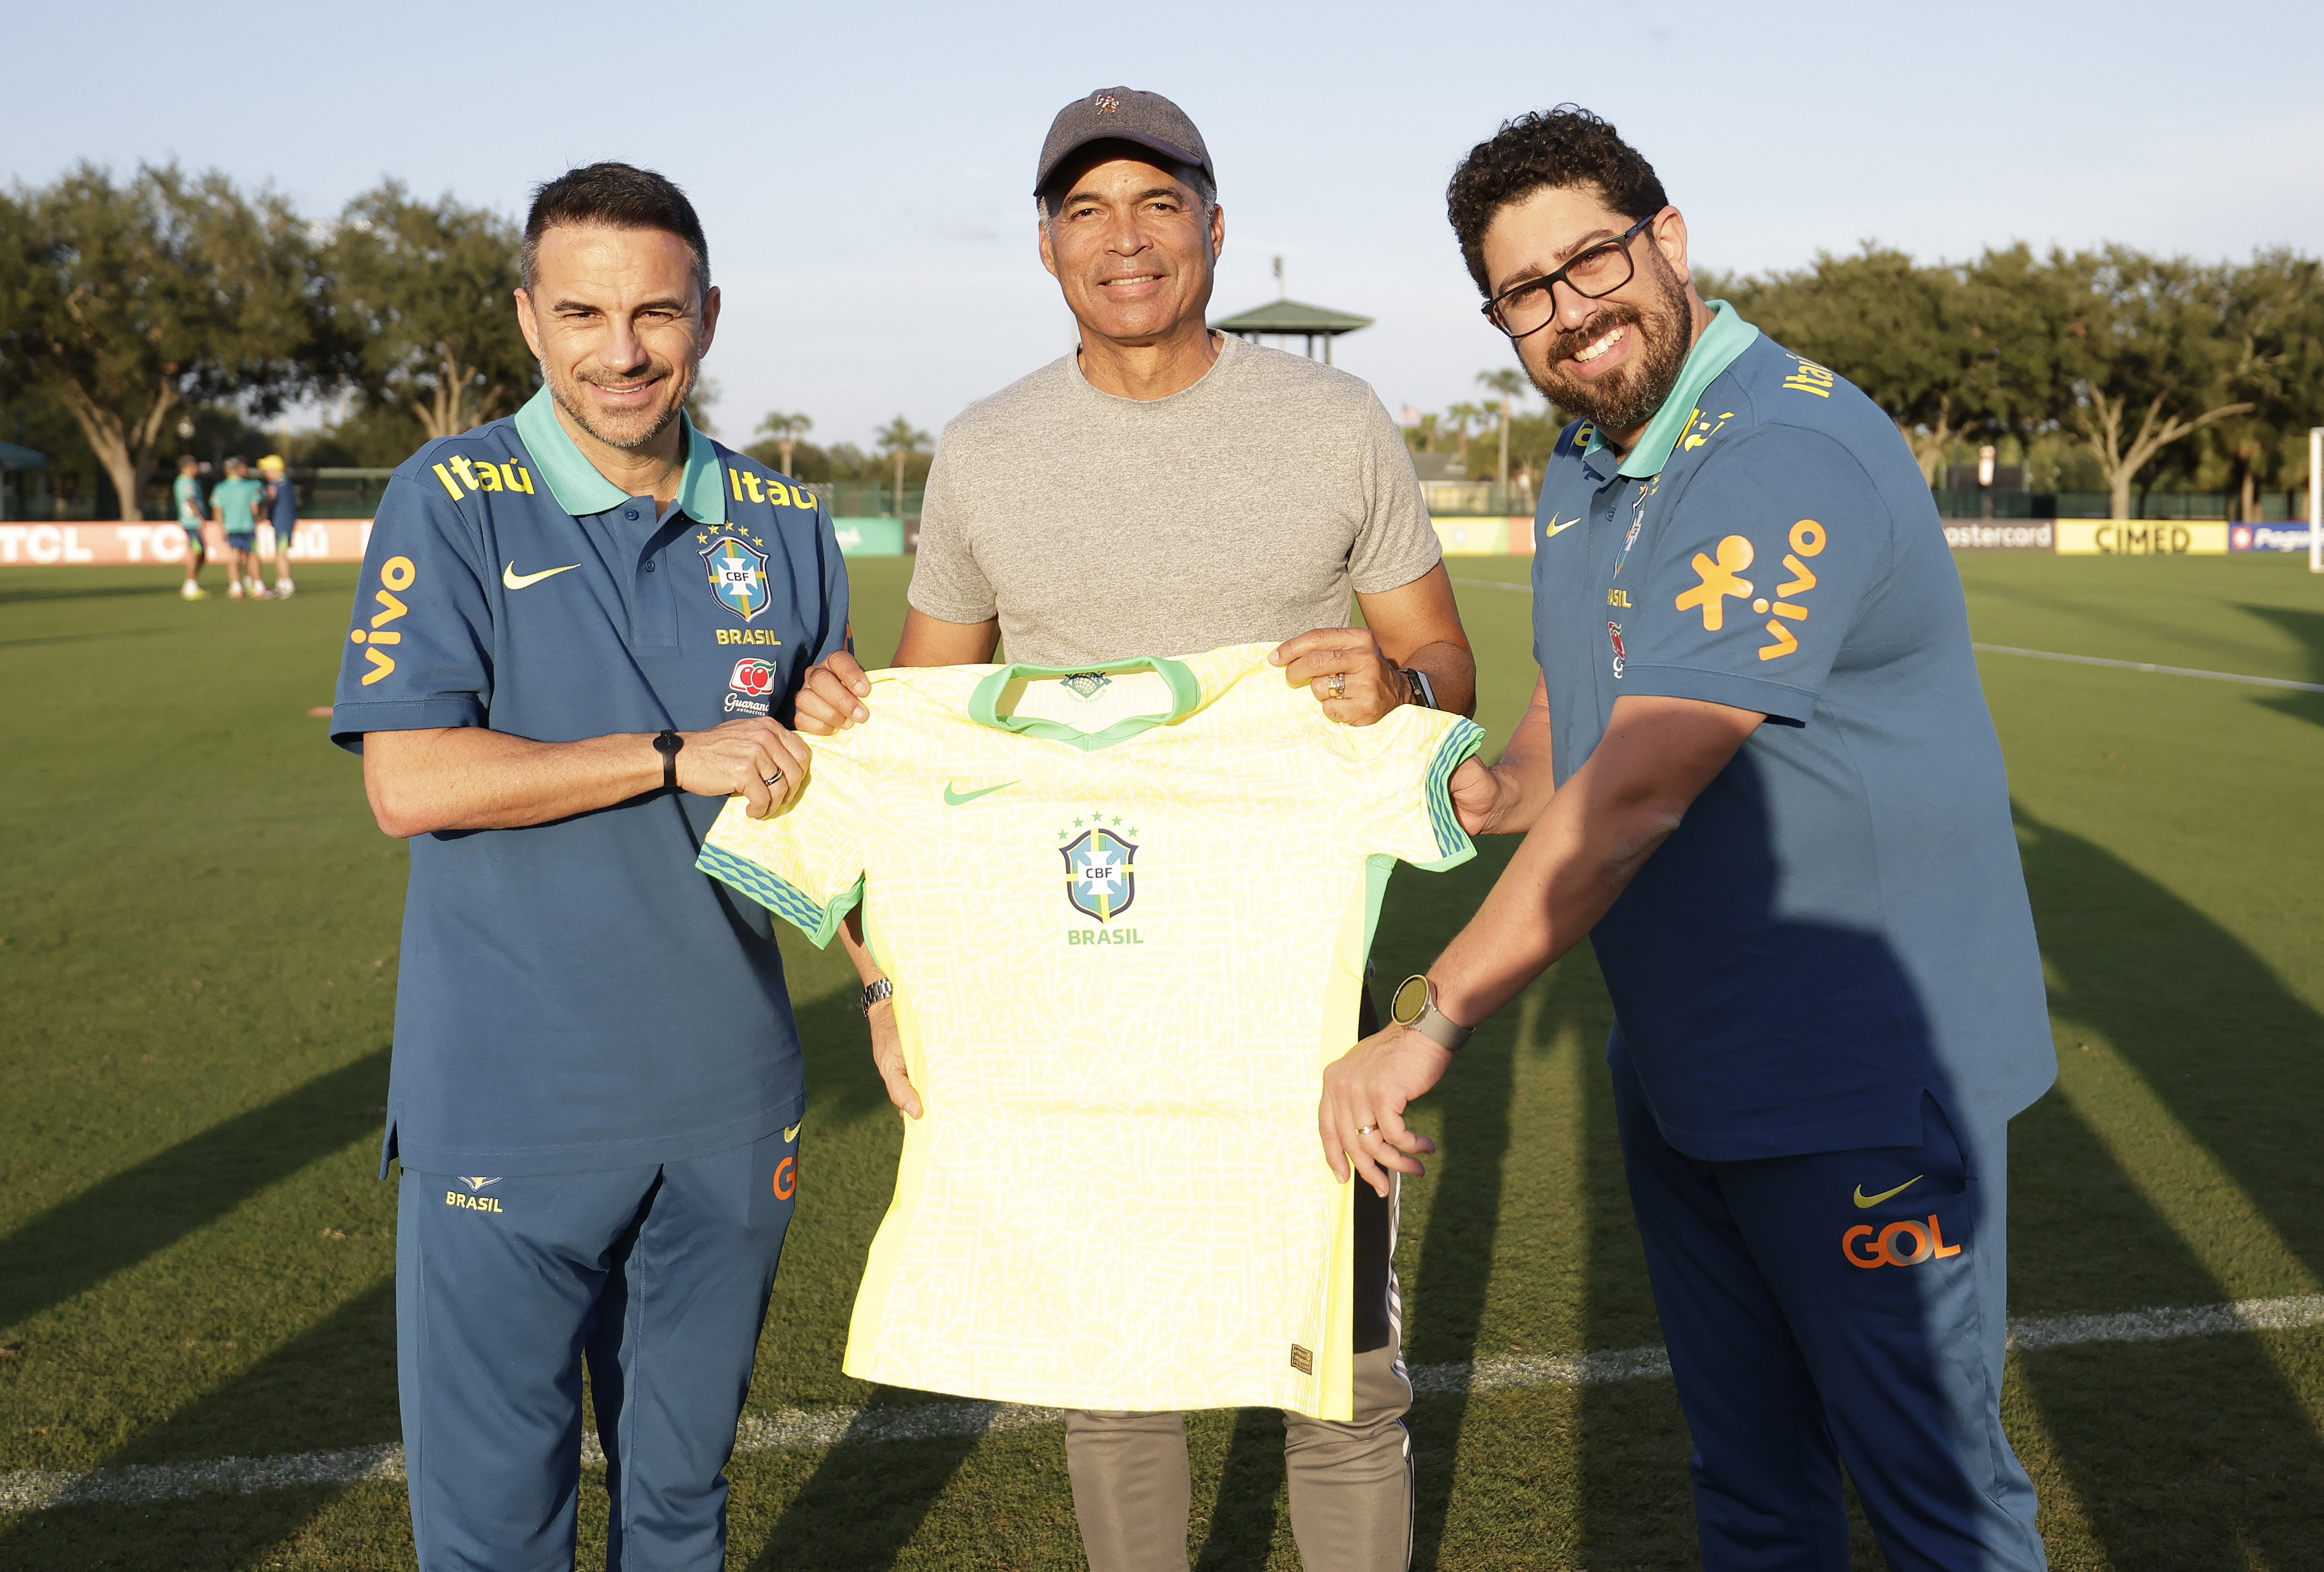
(1124, 114)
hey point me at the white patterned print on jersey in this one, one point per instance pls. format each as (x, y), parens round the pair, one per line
(1127, 922)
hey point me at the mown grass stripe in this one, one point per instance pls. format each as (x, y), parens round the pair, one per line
(35, 1490)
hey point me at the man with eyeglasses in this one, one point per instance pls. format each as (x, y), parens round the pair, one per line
(1758, 771)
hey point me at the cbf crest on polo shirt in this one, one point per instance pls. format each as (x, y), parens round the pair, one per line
(574, 994)
(1840, 920)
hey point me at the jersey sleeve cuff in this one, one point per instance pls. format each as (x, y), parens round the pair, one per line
(438, 711)
(1779, 700)
(1459, 744)
(786, 900)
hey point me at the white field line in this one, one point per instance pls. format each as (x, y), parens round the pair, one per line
(2146, 666)
(32, 1490)
(2036, 654)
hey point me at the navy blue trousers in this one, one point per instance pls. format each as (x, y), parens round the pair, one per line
(1839, 1309)
(658, 1277)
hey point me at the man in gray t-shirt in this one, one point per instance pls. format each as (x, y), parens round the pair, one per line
(1089, 525)
(1162, 491)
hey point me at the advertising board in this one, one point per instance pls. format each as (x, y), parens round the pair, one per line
(2141, 536)
(869, 537)
(1472, 535)
(2010, 535)
(120, 544)
(2291, 537)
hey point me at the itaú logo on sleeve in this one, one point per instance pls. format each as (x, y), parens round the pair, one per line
(1906, 1242)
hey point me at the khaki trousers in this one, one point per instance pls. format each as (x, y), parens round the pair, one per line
(1350, 1482)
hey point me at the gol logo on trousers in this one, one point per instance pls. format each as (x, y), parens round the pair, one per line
(1889, 1249)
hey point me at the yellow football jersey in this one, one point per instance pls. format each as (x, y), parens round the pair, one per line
(1127, 912)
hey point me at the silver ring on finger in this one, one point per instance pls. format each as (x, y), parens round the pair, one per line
(1337, 688)
(774, 779)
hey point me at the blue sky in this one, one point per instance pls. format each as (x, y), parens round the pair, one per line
(863, 171)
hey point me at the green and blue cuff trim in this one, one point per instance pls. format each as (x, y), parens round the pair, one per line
(780, 896)
(1459, 744)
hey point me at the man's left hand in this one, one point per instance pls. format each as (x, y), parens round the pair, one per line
(1368, 684)
(1361, 1114)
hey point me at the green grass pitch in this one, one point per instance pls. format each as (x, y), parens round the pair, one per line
(198, 956)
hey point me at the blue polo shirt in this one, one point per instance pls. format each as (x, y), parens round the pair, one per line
(573, 995)
(1840, 922)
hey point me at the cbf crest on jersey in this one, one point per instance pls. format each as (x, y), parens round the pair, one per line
(1101, 878)
(738, 576)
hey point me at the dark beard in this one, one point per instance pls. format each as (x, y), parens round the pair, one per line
(1629, 397)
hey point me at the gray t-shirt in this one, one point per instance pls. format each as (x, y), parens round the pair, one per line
(1241, 510)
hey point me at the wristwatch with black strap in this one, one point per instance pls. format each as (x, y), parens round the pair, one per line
(1418, 689)
(1414, 1005)
(667, 745)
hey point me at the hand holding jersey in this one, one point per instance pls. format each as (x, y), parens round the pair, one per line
(1212, 827)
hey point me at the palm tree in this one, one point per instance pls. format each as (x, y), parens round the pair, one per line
(1509, 384)
(785, 430)
(1460, 417)
(898, 440)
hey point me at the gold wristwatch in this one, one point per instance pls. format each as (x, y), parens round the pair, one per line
(1414, 1005)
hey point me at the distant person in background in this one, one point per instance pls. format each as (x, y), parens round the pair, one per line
(282, 508)
(236, 501)
(186, 492)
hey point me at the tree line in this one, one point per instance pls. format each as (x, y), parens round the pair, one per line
(2104, 370)
(141, 309)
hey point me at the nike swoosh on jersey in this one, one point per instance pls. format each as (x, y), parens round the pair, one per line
(1864, 1201)
(1552, 529)
(955, 798)
(515, 580)
(791, 1133)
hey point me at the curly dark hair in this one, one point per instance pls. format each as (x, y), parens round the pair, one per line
(1555, 148)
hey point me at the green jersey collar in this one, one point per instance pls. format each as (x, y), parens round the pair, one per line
(580, 490)
(1186, 697)
(1728, 336)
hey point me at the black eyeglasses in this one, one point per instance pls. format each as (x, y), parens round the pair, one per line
(1528, 306)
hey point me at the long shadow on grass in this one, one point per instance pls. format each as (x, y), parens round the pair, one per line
(2236, 1056)
(2182, 1454)
(2307, 627)
(1245, 1513)
(332, 1387)
(120, 1221)
(865, 1502)
(1454, 1274)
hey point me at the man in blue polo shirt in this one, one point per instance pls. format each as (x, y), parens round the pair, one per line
(1759, 772)
(577, 633)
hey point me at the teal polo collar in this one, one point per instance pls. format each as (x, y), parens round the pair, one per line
(580, 490)
(1728, 336)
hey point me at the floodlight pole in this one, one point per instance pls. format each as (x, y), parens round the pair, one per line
(2315, 499)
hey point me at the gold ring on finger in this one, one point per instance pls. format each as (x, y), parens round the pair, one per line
(1368, 1130)
(1337, 688)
